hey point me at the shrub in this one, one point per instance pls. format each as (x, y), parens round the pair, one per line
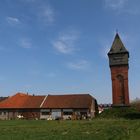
(136, 104)
(120, 112)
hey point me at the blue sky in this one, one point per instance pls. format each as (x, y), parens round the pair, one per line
(60, 46)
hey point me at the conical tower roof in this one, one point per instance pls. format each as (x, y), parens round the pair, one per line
(117, 46)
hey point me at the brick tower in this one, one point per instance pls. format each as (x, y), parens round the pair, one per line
(118, 62)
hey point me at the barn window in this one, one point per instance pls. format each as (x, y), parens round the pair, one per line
(67, 113)
(4, 113)
(45, 113)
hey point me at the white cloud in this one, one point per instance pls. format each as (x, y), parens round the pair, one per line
(12, 20)
(65, 43)
(63, 47)
(42, 11)
(115, 4)
(123, 6)
(25, 43)
(79, 65)
(47, 14)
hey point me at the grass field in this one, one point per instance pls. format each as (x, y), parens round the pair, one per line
(98, 129)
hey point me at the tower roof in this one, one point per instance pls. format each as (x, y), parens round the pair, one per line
(117, 46)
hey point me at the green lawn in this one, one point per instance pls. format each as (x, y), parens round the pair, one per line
(98, 129)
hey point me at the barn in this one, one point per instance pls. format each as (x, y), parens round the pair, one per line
(21, 104)
(72, 106)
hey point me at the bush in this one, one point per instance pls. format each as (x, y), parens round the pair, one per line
(136, 104)
(120, 112)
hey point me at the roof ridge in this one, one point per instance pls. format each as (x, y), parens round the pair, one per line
(21, 94)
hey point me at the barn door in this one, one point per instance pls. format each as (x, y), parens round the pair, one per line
(56, 113)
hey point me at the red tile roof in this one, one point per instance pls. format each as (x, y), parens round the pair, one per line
(68, 101)
(34, 102)
(21, 100)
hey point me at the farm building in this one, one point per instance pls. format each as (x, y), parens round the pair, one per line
(21, 104)
(74, 106)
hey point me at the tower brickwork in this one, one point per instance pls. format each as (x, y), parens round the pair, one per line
(119, 65)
